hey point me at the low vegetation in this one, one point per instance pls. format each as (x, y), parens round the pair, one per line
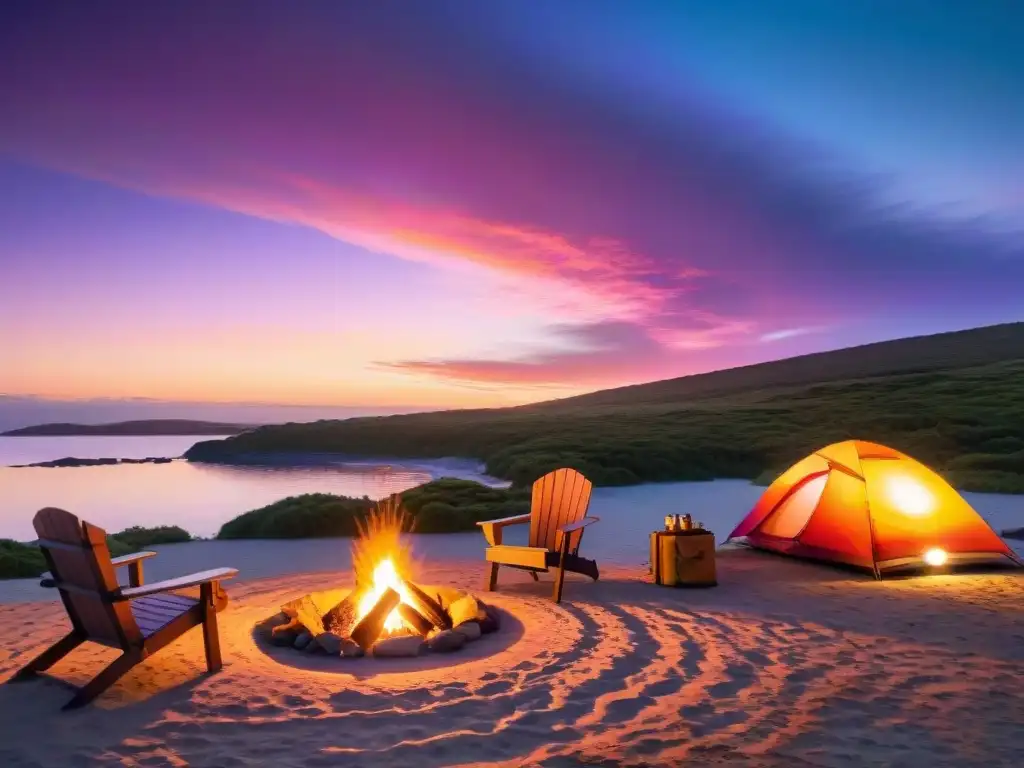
(311, 515)
(25, 561)
(447, 505)
(138, 537)
(965, 422)
(20, 561)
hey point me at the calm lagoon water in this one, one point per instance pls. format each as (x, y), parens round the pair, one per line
(198, 497)
(201, 497)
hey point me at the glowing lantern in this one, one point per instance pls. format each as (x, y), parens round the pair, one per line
(935, 557)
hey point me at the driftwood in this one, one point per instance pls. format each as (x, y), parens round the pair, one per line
(416, 620)
(428, 607)
(371, 625)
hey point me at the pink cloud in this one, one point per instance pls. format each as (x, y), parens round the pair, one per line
(603, 277)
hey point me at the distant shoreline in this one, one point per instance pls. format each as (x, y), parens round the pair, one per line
(144, 428)
(72, 461)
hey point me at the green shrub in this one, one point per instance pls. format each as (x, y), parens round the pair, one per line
(20, 561)
(26, 561)
(446, 505)
(438, 517)
(311, 515)
(986, 481)
(138, 537)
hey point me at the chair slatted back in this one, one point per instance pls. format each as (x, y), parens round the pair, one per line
(559, 498)
(79, 562)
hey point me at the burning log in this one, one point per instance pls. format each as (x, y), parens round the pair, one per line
(415, 619)
(304, 611)
(428, 607)
(372, 624)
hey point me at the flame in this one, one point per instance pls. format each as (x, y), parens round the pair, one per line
(381, 560)
(384, 576)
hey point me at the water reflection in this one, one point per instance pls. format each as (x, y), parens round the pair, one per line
(198, 497)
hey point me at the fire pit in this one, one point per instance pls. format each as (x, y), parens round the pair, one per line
(387, 614)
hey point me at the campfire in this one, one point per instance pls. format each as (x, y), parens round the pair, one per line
(387, 613)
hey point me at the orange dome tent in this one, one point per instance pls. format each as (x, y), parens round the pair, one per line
(865, 505)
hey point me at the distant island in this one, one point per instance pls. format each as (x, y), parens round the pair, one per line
(151, 427)
(954, 401)
(73, 461)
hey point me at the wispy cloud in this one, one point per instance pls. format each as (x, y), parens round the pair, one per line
(789, 333)
(591, 356)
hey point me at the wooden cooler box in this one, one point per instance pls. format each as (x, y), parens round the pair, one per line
(683, 558)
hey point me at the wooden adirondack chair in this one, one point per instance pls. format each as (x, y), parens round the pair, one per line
(139, 619)
(557, 519)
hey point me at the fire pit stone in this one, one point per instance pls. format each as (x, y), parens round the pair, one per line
(469, 630)
(350, 650)
(330, 642)
(399, 645)
(446, 641)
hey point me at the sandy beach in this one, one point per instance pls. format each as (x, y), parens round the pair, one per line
(784, 663)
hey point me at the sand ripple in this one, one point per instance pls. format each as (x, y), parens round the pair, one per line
(780, 665)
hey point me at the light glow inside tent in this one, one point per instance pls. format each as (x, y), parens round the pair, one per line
(909, 496)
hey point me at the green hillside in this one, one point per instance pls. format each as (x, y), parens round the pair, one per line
(954, 401)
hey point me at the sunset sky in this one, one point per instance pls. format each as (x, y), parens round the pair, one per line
(387, 203)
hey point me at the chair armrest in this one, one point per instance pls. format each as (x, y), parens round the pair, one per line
(570, 527)
(134, 563)
(492, 528)
(129, 559)
(168, 585)
(564, 533)
(135, 560)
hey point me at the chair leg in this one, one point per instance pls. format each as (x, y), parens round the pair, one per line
(560, 576)
(492, 579)
(110, 675)
(211, 636)
(49, 657)
(535, 576)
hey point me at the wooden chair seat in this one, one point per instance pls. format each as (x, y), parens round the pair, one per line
(138, 619)
(535, 558)
(155, 612)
